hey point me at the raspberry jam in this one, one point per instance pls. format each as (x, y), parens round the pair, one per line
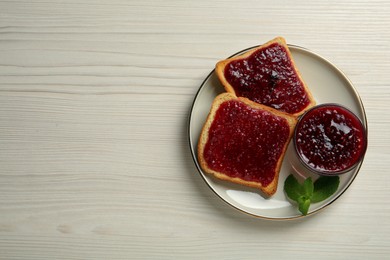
(330, 139)
(245, 142)
(268, 77)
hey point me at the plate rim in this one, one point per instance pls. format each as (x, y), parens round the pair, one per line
(348, 184)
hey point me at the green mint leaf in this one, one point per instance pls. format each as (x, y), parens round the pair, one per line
(308, 187)
(324, 187)
(293, 189)
(304, 206)
(308, 192)
(301, 193)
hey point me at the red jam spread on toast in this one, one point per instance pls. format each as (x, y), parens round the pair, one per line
(246, 143)
(330, 139)
(268, 77)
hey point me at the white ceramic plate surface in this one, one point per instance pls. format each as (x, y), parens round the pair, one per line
(328, 85)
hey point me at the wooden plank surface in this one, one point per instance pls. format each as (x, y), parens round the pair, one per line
(94, 103)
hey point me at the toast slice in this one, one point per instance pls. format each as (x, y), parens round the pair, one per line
(245, 142)
(267, 75)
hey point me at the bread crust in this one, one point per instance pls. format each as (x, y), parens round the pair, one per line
(271, 188)
(221, 65)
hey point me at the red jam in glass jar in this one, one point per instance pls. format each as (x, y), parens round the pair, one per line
(329, 139)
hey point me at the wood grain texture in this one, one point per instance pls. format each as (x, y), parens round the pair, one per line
(94, 101)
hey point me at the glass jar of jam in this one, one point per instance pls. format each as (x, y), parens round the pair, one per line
(329, 139)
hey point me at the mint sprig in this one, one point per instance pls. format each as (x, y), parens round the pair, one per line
(324, 187)
(308, 192)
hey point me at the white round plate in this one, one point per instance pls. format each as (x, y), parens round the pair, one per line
(328, 85)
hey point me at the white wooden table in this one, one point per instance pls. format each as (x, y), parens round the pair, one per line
(94, 104)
